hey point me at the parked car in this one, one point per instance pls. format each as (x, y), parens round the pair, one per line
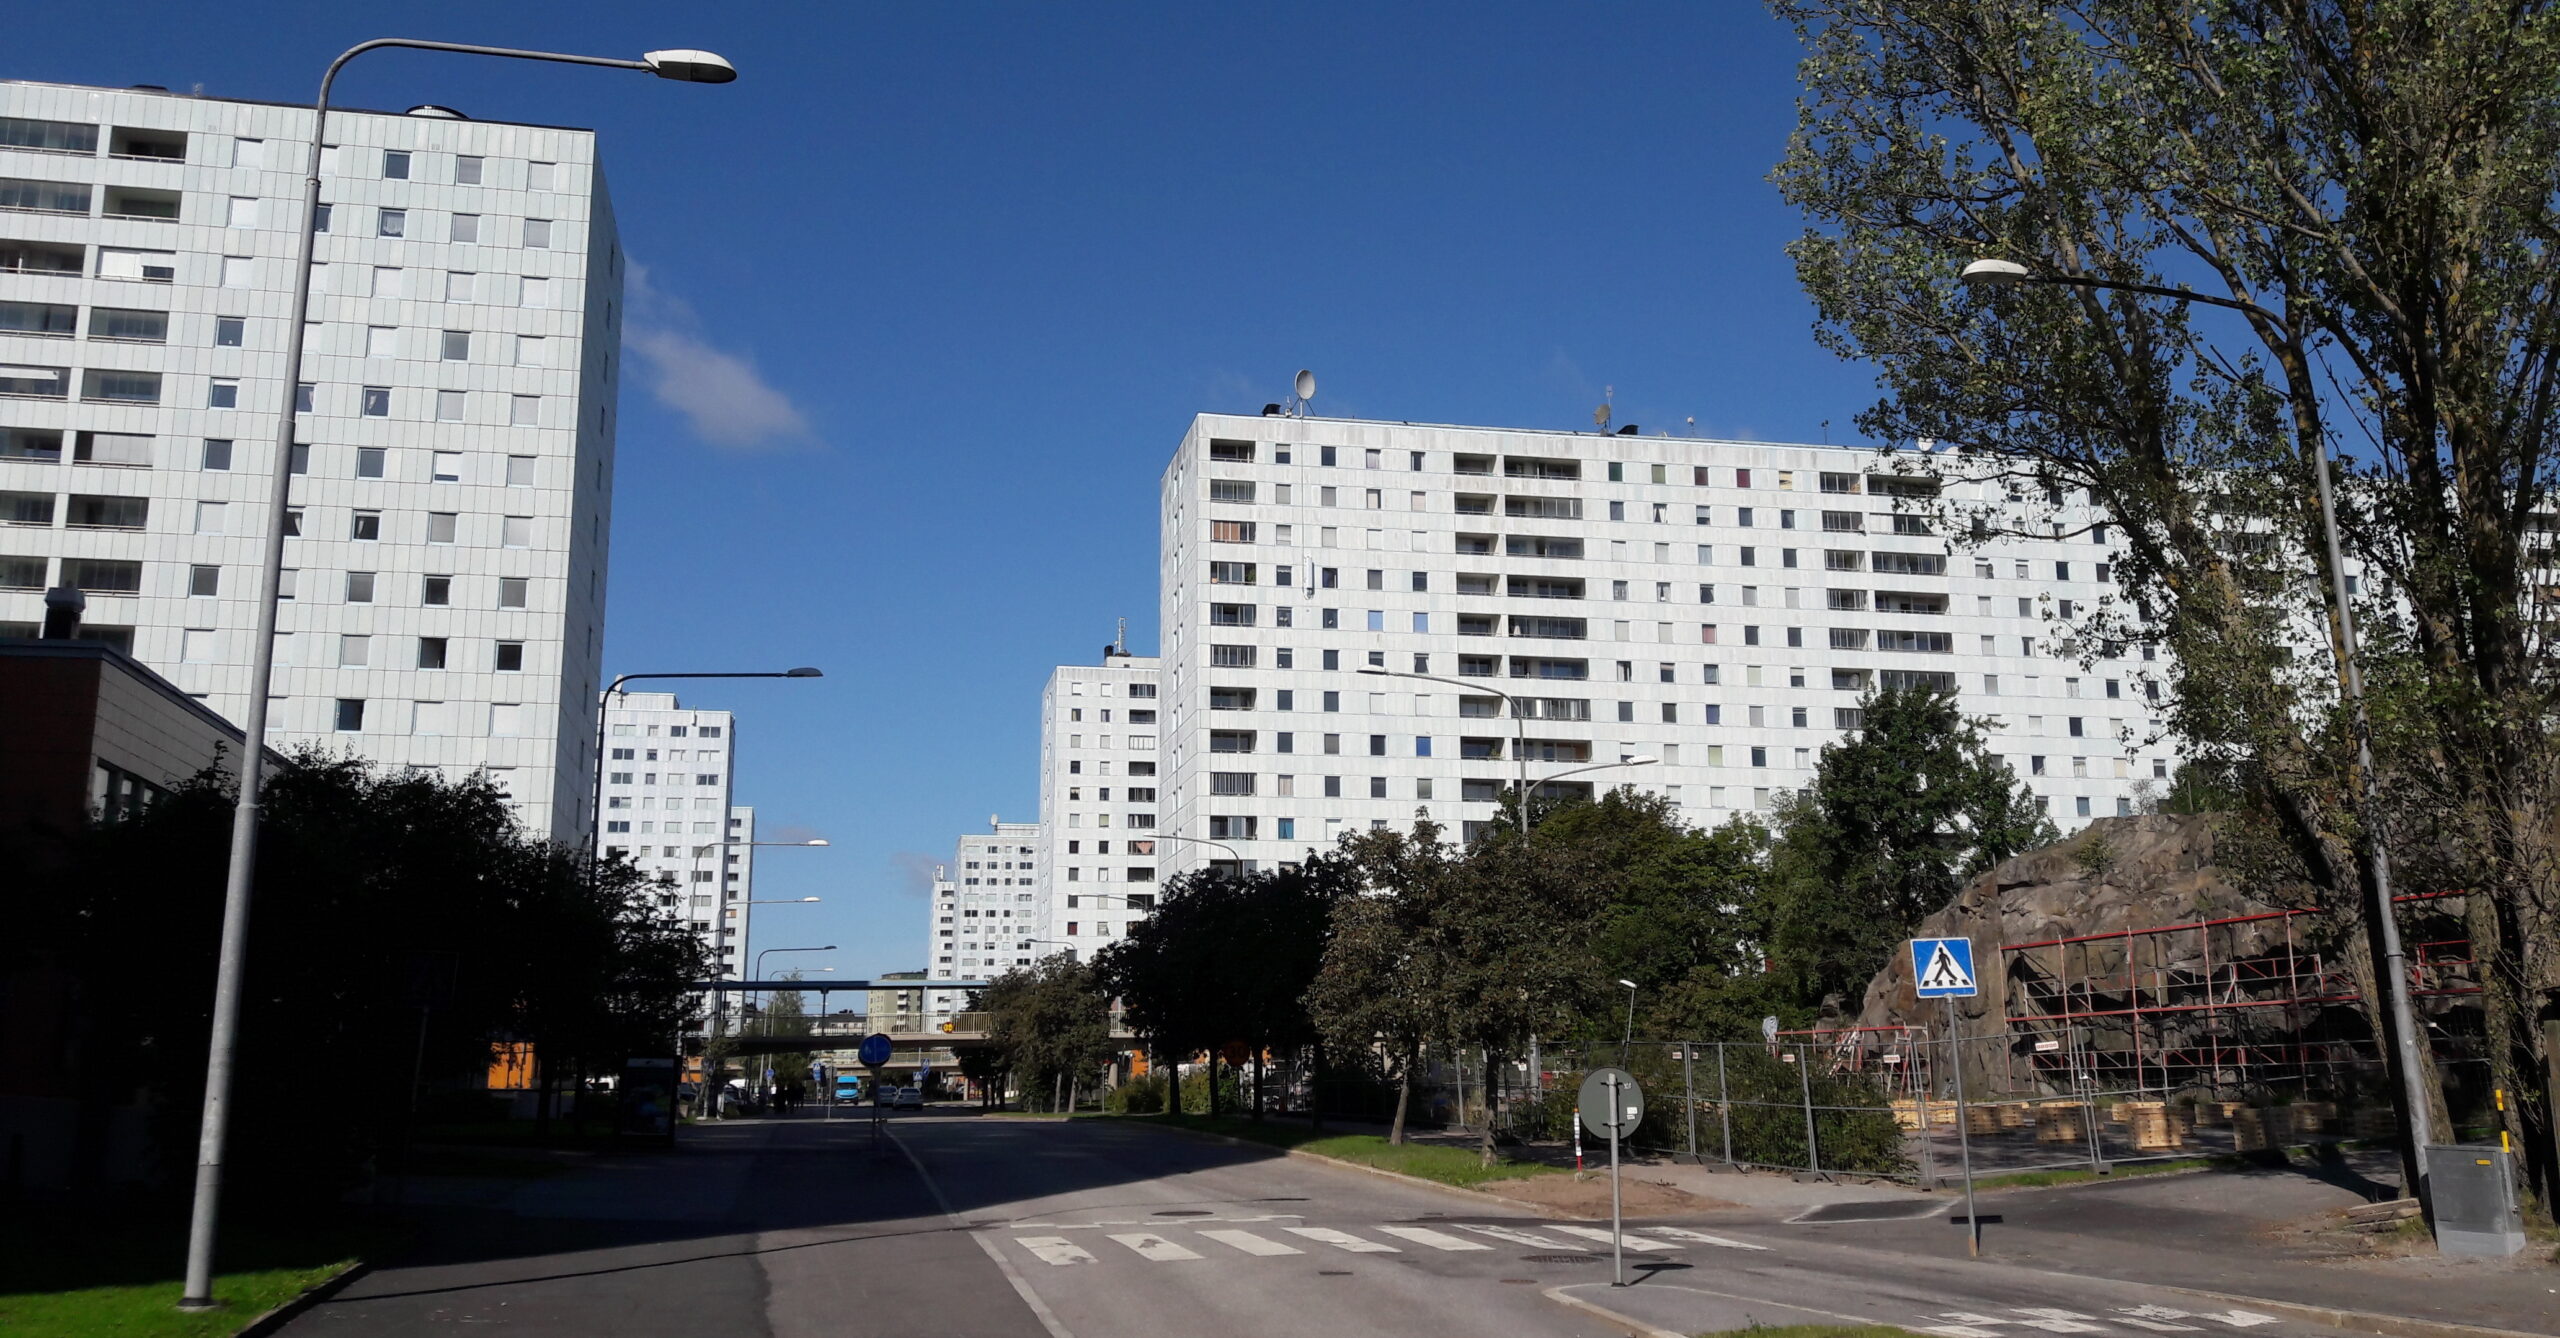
(908, 1098)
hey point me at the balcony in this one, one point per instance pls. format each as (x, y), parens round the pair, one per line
(101, 386)
(1542, 508)
(1477, 583)
(135, 144)
(19, 195)
(39, 320)
(1540, 546)
(119, 325)
(40, 258)
(1474, 504)
(108, 513)
(100, 576)
(34, 383)
(43, 445)
(1475, 624)
(135, 202)
(1544, 587)
(116, 450)
(1472, 464)
(1561, 629)
(27, 510)
(70, 139)
(1540, 467)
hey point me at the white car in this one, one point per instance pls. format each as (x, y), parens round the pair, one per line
(908, 1098)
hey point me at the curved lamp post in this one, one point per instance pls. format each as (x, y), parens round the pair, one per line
(687, 66)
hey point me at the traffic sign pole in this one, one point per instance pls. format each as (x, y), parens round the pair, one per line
(1964, 1137)
(1617, 1226)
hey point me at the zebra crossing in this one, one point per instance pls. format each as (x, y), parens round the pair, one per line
(1268, 1237)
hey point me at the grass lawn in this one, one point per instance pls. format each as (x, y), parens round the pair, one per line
(1447, 1165)
(2127, 1171)
(112, 1266)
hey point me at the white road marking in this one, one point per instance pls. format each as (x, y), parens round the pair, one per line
(1100, 1222)
(2057, 1321)
(1967, 1317)
(2155, 1318)
(1517, 1237)
(1438, 1240)
(1959, 1331)
(1341, 1240)
(1149, 1245)
(1634, 1241)
(1702, 1238)
(1251, 1243)
(2239, 1319)
(2156, 1326)
(1054, 1249)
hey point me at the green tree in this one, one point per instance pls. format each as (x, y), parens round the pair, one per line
(1050, 1021)
(1900, 814)
(1383, 978)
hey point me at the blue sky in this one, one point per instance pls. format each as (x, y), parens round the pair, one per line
(934, 288)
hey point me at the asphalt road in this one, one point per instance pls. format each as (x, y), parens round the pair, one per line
(959, 1226)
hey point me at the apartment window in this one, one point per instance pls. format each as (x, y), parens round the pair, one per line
(530, 351)
(235, 271)
(519, 471)
(449, 405)
(510, 657)
(457, 346)
(467, 170)
(204, 581)
(354, 652)
(229, 331)
(516, 532)
(217, 454)
(436, 591)
(391, 223)
(511, 591)
(365, 525)
(350, 714)
(441, 526)
(445, 467)
(359, 587)
(457, 286)
(466, 227)
(370, 461)
(539, 176)
(524, 410)
(377, 401)
(537, 233)
(293, 522)
(431, 652)
(212, 517)
(395, 165)
(222, 393)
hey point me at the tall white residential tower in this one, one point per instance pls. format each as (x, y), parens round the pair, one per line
(986, 917)
(669, 804)
(1718, 606)
(456, 461)
(1098, 791)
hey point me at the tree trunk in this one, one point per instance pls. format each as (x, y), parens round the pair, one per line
(1486, 1147)
(1404, 1094)
(1315, 1090)
(1257, 1084)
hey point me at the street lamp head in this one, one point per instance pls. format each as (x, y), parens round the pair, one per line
(818, 842)
(691, 67)
(806, 900)
(803, 671)
(1374, 671)
(1993, 274)
(1639, 761)
(1628, 983)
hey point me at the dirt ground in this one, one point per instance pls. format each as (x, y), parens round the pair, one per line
(1589, 1197)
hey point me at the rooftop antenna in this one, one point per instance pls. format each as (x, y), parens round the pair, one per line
(1826, 431)
(1600, 416)
(1693, 425)
(1301, 391)
(1120, 640)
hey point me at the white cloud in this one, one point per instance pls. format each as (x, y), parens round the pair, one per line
(721, 394)
(914, 870)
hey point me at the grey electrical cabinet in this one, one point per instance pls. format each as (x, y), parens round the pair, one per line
(2475, 1200)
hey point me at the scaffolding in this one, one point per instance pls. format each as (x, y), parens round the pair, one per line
(2217, 1003)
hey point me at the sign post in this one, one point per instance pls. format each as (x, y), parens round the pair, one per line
(1942, 968)
(874, 1052)
(1612, 1104)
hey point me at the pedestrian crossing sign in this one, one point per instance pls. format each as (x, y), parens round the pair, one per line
(1942, 968)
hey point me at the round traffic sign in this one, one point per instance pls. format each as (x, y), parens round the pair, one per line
(1611, 1103)
(875, 1049)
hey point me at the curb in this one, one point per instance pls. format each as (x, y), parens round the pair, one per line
(1607, 1316)
(2363, 1321)
(312, 1295)
(1472, 1195)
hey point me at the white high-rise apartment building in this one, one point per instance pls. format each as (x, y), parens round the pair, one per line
(1718, 606)
(670, 776)
(986, 917)
(456, 454)
(1098, 794)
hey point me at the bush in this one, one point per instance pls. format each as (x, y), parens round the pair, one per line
(1195, 1092)
(1138, 1096)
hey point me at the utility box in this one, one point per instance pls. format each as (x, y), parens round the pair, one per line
(2475, 1199)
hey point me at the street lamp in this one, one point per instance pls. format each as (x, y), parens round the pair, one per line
(683, 65)
(1992, 274)
(1627, 1041)
(1596, 766)
(1201, 841)
(595, 817)
(1519, 729)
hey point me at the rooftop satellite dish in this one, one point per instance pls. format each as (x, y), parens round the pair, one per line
(1306, 385)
